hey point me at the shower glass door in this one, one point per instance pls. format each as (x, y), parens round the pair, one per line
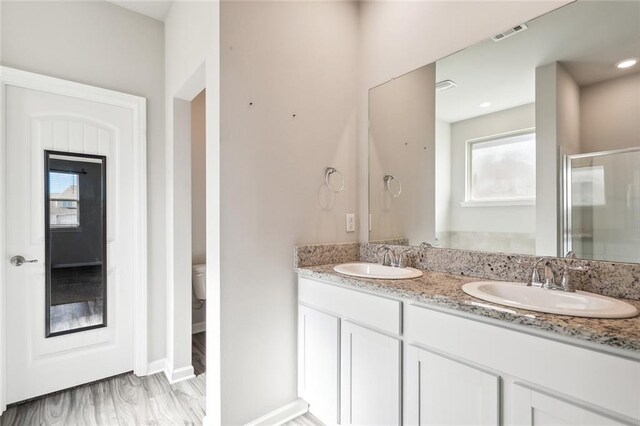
(602, 205)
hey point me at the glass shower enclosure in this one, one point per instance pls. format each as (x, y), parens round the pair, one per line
(602, 205)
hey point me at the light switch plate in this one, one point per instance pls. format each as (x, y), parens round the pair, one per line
(351, 222)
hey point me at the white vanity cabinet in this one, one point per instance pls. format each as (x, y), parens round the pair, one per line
(349, 355)
(371, 377)
(535, 408)
(539, 381)
(366, 359)
(441, 391)
(319, 362)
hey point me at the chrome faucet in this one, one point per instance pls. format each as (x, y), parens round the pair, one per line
(389, 258)
(549, 279)
(549, 282)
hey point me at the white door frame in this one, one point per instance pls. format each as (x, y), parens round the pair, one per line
(137, 105)
(179, 204)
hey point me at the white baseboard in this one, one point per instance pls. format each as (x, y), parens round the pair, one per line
(282, 414)
(157, 366)
(198, 327)
(173, 376)
(180, 374)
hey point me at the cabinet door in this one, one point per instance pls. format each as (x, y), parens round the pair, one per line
(441, 391)
(371, 377)
(318, 362)
(534, 408)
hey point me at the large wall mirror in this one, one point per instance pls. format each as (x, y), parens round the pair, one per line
(527, 143)
(75, 246)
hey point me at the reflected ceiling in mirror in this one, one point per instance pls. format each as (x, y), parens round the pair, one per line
(518, 135)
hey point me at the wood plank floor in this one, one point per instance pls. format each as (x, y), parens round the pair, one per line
(121, 401)
(198, 352)
(304, 420)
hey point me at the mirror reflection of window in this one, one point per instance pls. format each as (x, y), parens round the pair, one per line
(502, 168)
(64, 200)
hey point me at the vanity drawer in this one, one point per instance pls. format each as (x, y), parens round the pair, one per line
(375, 311)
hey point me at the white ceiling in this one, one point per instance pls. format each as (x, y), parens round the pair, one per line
(156, 9)
(587, 37)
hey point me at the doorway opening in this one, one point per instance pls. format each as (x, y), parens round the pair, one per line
(198, 232)
(186, 199)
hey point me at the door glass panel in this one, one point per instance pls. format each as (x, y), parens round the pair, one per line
(604, 206)
(75, 226)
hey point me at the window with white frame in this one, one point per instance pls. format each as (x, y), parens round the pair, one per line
(64, 200)
(502, 169)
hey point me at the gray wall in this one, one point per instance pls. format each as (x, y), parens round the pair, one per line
(557, 133)
(97, 43)
(287, 58)
(609, 114)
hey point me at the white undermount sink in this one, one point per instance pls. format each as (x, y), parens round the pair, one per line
(374, 270)
(579, 303)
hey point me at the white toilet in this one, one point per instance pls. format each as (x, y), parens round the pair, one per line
(199, 281)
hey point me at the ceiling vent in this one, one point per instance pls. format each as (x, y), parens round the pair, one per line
(444, 85)
(511, 31)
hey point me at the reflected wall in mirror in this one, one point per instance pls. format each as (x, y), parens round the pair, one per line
(400, 159)
(534, 141)
(75, 226)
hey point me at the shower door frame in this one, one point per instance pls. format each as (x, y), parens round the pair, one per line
(10, 77)
(566, 240)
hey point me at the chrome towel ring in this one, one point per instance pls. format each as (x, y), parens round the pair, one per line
(327, 178)
(387, 181)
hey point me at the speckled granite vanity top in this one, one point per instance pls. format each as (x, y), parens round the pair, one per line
(444, 290)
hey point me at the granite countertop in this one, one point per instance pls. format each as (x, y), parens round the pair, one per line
(444, 290)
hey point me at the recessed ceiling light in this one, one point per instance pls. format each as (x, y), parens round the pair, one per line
(485, 104)
(627, 63)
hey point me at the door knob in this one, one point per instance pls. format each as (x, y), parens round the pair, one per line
(20, 260)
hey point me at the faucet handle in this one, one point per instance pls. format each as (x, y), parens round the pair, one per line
(567, 283)
(401, 260)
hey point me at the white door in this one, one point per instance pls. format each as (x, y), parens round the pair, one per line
(56, 339)
(319, 363)
(371, 372)
(441, 391)
(531, 408)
